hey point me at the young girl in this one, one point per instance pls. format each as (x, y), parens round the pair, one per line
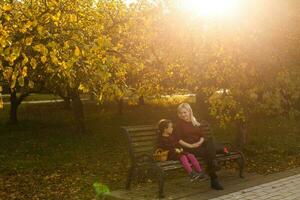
(168, 142)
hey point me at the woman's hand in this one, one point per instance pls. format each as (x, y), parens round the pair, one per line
(200, 141)
(196, 145)
(188, 145)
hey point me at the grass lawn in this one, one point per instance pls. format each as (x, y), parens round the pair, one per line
(34, 97)
(42, 157)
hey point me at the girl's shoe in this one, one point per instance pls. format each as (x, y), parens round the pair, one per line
(194, 176)
(201, 174)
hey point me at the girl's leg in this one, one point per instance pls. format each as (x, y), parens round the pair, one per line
(194, 162)
(186, 164)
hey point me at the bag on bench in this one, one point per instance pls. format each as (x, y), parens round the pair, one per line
(160, 155)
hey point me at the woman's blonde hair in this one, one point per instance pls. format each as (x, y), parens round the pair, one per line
(189, 109)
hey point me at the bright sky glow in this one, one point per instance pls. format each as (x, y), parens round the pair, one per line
(210, 8)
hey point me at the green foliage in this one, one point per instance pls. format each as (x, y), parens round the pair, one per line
(100, 189)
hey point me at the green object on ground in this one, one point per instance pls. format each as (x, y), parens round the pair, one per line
(101, 189)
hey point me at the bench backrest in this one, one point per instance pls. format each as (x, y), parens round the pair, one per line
(143, 139)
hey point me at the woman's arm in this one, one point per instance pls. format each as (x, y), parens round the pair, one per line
(200, 141)
(187, 145)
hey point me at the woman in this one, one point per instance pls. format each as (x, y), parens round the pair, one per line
(190, 136)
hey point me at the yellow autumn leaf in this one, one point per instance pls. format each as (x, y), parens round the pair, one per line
(1, 103)
(7, 7)
(31, 84)
(64, 65)
(25, 60)
(23, 30)
(24, 71)
(38, 47)
(83, 88)
(43, 59)
(33, 63)
(73, 18)
(28, 41)
(56, 17)
(1, 89)
(21, 81)
(34, 23)
(40, 30)
(14, 76)
(66, 45)
(77, 51)
(28, 24)
(54, 59)
(8, 73)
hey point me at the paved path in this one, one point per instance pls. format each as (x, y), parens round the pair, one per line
(283, 185)
(282, 189)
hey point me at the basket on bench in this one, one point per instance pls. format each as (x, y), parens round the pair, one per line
(142, 143)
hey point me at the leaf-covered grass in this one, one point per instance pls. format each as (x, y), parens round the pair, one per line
(44, 158)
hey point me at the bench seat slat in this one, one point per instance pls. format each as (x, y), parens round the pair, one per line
(165, 163)
(172, 167)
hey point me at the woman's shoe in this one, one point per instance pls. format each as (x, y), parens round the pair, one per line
(215, 184)
(194, 176)
(201, 174)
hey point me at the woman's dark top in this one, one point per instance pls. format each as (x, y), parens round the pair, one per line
(170, 143)
(187, 132)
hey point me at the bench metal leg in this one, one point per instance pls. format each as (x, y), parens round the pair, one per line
(161, 184)
(129, 177)
(161, 179)
(241, 163)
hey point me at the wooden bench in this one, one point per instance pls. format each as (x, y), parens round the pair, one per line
(143, 141)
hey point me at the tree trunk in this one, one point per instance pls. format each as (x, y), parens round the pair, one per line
(141, 100)
(67, 103)
(67, 99)
(92, 97)
(13, 117)
(120, 106)
(242, 135)
(77, 108)
(202, 106)
(14, 105)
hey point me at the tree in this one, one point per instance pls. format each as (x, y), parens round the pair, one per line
(18, 66)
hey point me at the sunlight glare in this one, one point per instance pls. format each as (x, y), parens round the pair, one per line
(210, 8)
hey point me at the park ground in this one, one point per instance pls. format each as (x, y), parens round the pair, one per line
(43, 158)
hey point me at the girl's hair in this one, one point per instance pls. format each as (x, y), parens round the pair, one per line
(189, 109)
(162, 125)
